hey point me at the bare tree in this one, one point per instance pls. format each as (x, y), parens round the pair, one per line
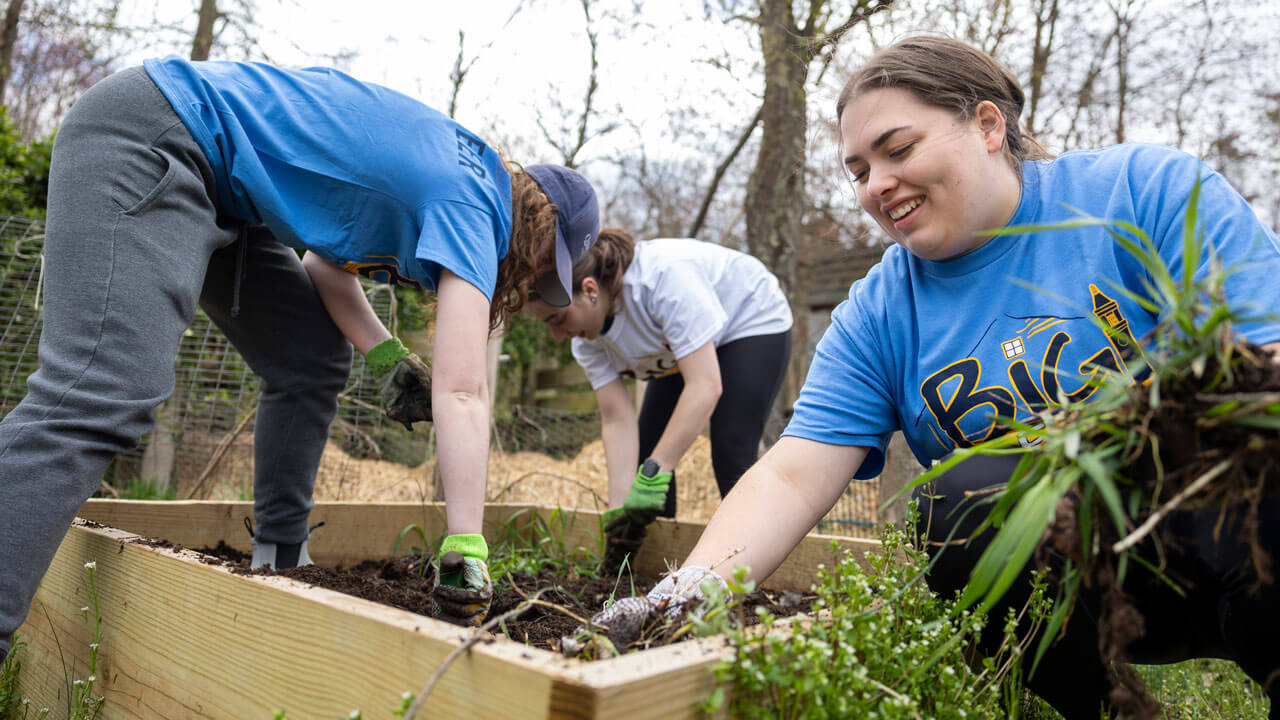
(720, 171)
(463, 64)
(1045, 18)
(569, 144)
(52, 53)
(775, 195)
(8, 38)
(207, 17)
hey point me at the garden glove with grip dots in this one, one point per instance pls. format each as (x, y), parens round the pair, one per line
(625, 526)
(404, 382)
(623, 621)
(463, 591)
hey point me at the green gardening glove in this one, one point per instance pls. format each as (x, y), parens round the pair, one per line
(625, 527)
(404, 382)
(463, 591)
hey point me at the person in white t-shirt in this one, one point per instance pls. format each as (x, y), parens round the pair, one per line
(708, 328)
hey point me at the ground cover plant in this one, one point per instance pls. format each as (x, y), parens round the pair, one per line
(81, 703)
(881, 645)
(1193, 423)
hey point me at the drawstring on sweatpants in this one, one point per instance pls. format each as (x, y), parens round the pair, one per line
(241, 254)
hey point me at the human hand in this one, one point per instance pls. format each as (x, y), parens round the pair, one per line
(463, 591)
(404, 382)
(625, 621)
(625, 527)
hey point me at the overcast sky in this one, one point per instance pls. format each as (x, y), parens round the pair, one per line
(519, 66)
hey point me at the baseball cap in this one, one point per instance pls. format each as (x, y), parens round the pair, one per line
(577, 224)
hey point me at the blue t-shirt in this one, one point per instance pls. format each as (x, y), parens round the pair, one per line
(369, 179)
(938, 349)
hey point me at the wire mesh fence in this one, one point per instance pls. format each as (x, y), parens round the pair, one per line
(202, 442)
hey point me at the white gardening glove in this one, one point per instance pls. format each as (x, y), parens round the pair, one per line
(624, 620)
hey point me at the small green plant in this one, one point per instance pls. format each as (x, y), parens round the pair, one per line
(406, 700)
(151, 489)
(9, 678)
(12, 705)
(538, 545)
(881, 645)
(82, 703)
(419, 555)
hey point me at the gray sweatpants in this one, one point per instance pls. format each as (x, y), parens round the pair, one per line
(134, 239)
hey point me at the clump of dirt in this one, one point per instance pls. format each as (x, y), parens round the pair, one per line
(1197, 432)
(565, 603)
(1188, 433)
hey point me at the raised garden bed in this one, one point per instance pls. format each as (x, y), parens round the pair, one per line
(183, 638)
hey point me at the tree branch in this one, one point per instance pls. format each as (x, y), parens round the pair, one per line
(696, 227)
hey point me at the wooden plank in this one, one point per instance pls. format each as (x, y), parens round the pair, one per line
(353, 531)
(184, 639)
(361, 531)
(668, 542)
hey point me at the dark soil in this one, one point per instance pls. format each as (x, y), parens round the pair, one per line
(402, 583)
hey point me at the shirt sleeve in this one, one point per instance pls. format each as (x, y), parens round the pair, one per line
(845, 399)
(686, 308)
(459, 237)
(595, 362)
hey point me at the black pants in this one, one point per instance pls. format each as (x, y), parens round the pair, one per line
(1222, 615)
(751, 373)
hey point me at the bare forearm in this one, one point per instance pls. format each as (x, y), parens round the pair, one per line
(702, 388)
(691, 413)
(344, 299)
(462, 440)
(621, 436)
(622, 456)
(779, 499)
(460, 400)
(756, 525)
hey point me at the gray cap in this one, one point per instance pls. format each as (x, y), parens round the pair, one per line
(577, 225)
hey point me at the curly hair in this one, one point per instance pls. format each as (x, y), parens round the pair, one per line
(532, 249)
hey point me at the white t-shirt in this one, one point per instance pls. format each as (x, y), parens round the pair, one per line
(677, 295)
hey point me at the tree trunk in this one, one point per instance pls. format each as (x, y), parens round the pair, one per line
(775, 192)
(8, 38)
(1046, 20)
(203, 42)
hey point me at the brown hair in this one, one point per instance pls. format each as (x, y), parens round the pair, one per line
(952, 75)
(532, 250)
(606, 261)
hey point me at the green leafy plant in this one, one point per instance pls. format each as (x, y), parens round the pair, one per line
(531, 544)
(150, 489)
(527, 543)
(879, 645)
(9, 678)
(419, 555)
(24, 172)
(82, 704)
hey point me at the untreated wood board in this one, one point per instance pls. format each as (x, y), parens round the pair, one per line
(186, 639)
(360, 531)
